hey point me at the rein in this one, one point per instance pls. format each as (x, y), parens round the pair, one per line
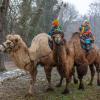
(3, 46)
(6, 49)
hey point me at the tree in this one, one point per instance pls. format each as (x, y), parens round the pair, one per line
(25, 12)
(47, 16)
(24, 20)
(13, 16)
(94, 14)
(67, 16)
(94, 8)
(3, 12)
(30, 17)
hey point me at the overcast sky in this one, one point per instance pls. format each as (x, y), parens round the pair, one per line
(81, 5)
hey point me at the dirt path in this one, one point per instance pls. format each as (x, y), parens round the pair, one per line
(17, 88)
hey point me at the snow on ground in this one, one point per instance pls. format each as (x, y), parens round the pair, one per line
(9, 75)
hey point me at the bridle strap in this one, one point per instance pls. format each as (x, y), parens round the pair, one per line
(3, 45)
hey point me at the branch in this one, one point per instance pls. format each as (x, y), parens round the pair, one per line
(4, 6)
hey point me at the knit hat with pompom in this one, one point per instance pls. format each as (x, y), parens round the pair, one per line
(55, 22)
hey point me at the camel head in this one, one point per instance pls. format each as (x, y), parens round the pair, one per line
(6, 46)
(12, 43)
(57, 37)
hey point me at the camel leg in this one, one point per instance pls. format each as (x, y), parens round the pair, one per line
(68, 75)
(92, 74)
(33, 73)
(81, 70)
(74, 76)
(66, 90)
(81, 85)
(60, 83)
(98, 73)
(75, 79)
(48, 70)
(60, 73)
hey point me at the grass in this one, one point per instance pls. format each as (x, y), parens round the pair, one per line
(17, 88)
(90, 93)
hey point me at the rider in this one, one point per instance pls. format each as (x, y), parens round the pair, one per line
(55, 26)
(85, 30)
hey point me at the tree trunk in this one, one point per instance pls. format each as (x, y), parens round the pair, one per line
(3, 12)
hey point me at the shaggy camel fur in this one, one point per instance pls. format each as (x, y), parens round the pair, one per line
(63, 58)
(91, 58)
(27, 58)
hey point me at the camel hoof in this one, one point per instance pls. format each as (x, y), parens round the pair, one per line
(58, 85)
(29, 95)
(81, 87)
(66, 91)
(75, 81)
(49, 89)
(98, 82)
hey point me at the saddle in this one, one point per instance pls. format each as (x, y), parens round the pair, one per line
(86, 42)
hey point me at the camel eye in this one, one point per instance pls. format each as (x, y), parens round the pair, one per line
(8, 43)
(16, 40)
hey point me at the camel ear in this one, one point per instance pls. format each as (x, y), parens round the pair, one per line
(17, 38)
(8, 37)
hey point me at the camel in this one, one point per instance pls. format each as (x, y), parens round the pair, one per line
(28, 58)
(94, 54)
(63, 58)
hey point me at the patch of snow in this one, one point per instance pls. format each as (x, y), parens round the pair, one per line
(9, 75)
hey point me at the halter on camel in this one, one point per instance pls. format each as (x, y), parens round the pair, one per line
(57, 38)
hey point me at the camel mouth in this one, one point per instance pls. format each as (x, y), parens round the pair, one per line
(11, 44)
(57, 40)
(7, 46)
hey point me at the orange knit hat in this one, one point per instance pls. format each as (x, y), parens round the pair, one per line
(55, 22)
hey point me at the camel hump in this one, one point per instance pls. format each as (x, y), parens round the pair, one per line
(40, 41)
(75, 34)
(41, 35)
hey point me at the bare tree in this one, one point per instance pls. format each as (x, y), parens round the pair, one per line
(67, 16)
(95, 8)
(3, 11)
(94, 14)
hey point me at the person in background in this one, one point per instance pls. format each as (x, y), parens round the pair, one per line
(55, 26)
(85, 30)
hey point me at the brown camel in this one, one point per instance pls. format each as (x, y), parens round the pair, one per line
(28, 58)
(63, 58)
(92, 58)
